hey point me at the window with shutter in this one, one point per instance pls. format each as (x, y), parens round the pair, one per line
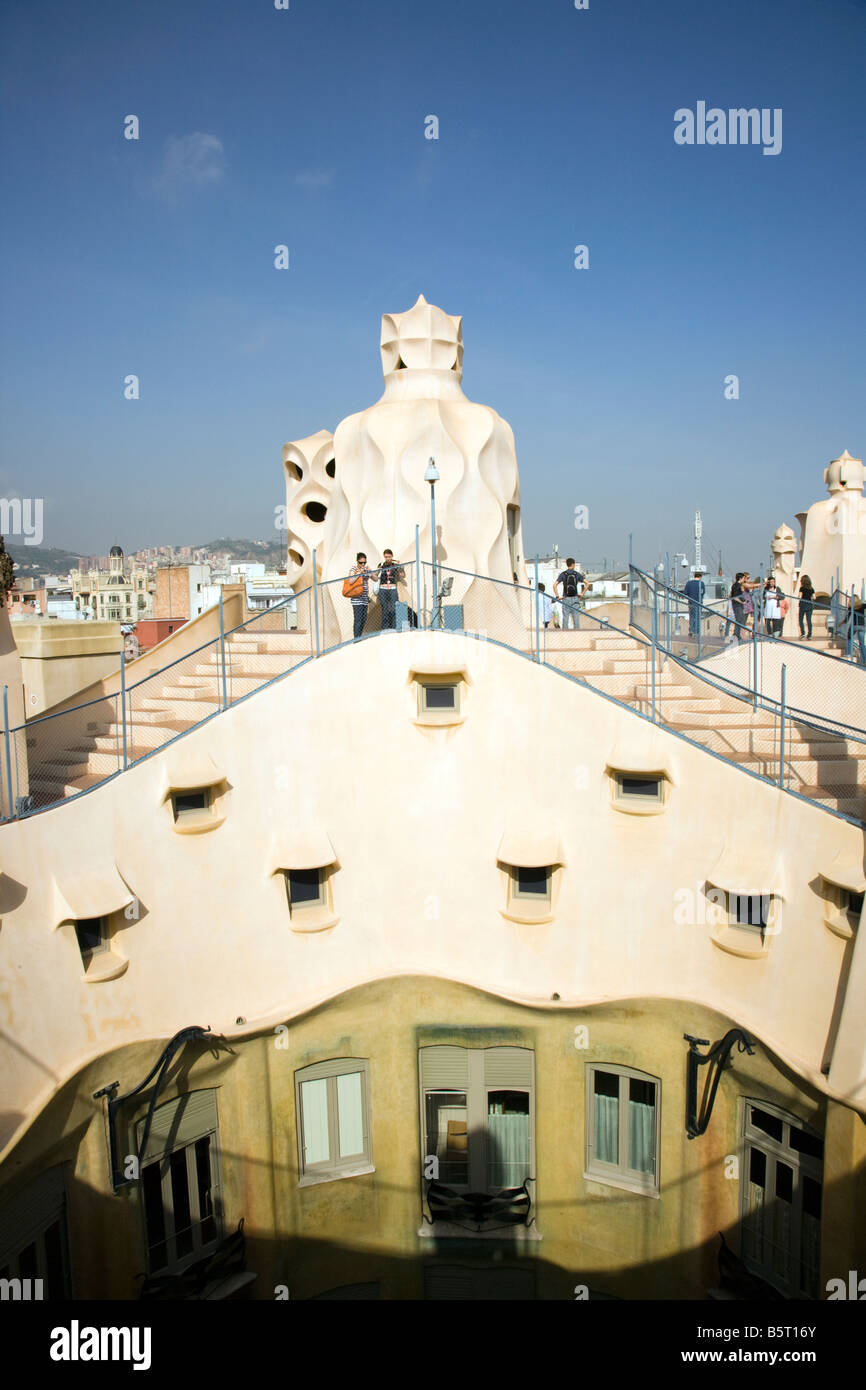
(180, 1185)
(477, 1116)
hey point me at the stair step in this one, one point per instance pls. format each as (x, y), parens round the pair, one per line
(850, 805)
(626, 666)
(189, 711)
(684, 720)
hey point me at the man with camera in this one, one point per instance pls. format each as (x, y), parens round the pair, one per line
(389, 576)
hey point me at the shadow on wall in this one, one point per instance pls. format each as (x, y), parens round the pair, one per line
(299, 1267)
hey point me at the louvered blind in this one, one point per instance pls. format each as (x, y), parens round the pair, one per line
(445, 1068)
(336, 1066)
(38, 1206)
(508, 1066)
(179, 1122)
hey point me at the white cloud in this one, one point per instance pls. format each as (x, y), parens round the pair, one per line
(190, 161)
(315, 178)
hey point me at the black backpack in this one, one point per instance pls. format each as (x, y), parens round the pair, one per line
(569, 584)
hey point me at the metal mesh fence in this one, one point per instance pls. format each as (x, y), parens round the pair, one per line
(724, 696)
(752, 655)
(265, 647)
(384, 605)
(61, 754)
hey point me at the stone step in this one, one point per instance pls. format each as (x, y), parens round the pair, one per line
(808, 772)
(577, 663)
(816, 747)
(560, 638)
(627, 666)
(60, 769)
(271, 642)
(263, 665)
(684, 720)
(667, 687)
(849, 805)
(190, 711)
(194, 683)
(616, 643)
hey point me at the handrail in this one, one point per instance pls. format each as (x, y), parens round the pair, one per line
(707, 610)
(297, 656)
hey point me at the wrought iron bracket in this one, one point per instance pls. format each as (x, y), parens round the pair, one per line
(119, 1178)
(718, 1058)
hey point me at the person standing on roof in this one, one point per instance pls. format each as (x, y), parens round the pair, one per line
(573, 589)
(694, 591)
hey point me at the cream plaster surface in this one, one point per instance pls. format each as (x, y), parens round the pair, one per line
(415, 816)
(834, 530)
(814, 682)
(378, 495)
(61, 659)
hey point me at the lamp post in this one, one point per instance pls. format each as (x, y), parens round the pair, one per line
(432, 477)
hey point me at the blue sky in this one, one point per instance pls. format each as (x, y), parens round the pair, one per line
(306, 127)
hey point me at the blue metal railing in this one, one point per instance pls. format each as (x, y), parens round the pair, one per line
(508, 614)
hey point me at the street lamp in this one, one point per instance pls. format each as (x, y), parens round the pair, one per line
(432, 477)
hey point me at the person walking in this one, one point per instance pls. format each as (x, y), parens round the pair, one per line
(545, 606)
(807, 603)
(355, 589)
(389, 576)
(694, 591)
(772, 607)
(856, 627)
(573, 589)
(738, 604)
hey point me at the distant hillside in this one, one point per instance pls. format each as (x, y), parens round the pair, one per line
(34, 561)
(241, 551)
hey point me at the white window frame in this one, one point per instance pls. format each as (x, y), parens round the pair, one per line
(803, 1165)
(619, 1174)
(334, 1167)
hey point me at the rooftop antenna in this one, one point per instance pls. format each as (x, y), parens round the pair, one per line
(699, 530)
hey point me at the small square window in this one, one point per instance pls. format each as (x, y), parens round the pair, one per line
(305, 888)
(191, 803)
(532, 883)
(752, 913)
(749, 909)
(92, 937)
(638, 793)
(648, 788)
(439, 697)
(843, 908)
